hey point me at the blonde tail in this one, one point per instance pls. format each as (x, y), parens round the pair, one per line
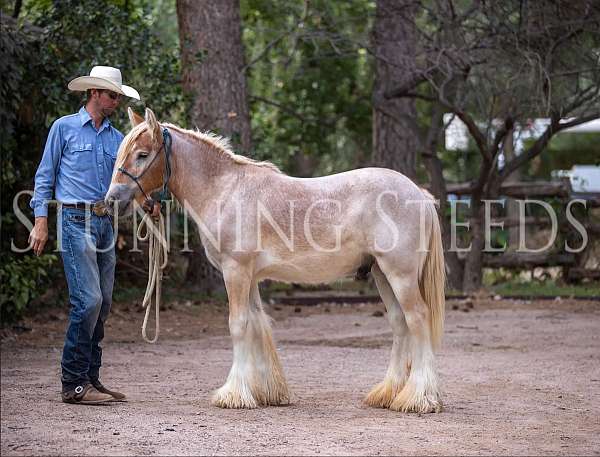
(432, 279)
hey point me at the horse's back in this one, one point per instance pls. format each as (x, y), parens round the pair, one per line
(358, 180)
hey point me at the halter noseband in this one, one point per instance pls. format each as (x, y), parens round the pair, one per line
(167, 141)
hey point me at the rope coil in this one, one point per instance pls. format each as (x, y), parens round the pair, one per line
(157, 262)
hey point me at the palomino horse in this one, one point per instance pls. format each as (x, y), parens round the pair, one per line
(257, 223)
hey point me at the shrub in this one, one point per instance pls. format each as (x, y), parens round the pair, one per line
(22, 280)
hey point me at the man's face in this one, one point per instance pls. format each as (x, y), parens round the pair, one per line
(107, 101)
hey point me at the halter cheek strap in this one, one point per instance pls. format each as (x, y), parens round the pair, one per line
(135, 179)
(166, 146)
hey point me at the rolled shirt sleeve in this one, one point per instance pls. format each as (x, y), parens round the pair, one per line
(45, 176)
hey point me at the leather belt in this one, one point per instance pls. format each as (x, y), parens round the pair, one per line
(98, 208)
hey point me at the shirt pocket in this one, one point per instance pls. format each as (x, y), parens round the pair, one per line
(81, 155)
(110, 149)
(110, 156)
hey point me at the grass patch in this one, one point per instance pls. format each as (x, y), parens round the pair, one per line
(169, 294)
(546, 289)
(508, 287)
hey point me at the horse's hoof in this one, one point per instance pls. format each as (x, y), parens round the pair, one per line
(410, 400)
(382, 395)
(231, 399)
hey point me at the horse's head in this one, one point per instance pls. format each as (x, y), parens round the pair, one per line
(140, 165)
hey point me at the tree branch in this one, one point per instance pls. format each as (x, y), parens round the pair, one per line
(583, 97)
(533, 151)
(500, 134)
(479, 138)
(266, 49)
(412, 83)
(541, 143)
(576, 122)
(291, 112)
(419, 96)
(17, 9)
(277, 39)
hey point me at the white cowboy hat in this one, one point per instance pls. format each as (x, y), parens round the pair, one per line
(104, 78)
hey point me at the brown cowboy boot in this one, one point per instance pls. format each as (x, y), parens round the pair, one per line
(116, 396)
(85, 395)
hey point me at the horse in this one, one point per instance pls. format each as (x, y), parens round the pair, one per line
(258, 223)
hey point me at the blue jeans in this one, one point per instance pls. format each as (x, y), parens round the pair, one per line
(89, 260)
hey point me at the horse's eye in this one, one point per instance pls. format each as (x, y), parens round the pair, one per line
(142, 155)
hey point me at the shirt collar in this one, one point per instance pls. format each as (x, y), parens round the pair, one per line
(85, 117)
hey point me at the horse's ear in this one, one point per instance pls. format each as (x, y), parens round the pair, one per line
(153, 125)
(134, 117)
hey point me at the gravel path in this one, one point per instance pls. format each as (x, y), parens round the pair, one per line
(519, 378)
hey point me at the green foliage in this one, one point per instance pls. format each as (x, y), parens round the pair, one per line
(52, 43)
(22, 280)
(81, 34)
(508, 283)
(310, 83)
(16, 47)
(566, 149)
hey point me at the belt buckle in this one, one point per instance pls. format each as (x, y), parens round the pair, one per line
(99, 209)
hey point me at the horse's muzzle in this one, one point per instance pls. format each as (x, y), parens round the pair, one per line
(118, 199)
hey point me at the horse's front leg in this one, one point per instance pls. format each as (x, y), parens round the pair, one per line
(255, 377)
(269, 386)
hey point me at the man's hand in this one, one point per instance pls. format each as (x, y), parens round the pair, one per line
(39, 235)
(151, 207)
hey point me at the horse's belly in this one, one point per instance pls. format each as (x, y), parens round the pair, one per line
(309, 269)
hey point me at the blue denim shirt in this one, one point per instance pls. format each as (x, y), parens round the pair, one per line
(77, 163)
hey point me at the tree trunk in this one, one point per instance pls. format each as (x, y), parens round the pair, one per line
(394, 144)
(454, 266)
(473, 274)
(512, 208)
(212, 57)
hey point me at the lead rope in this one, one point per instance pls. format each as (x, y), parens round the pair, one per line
(157, 261)
(157, 242)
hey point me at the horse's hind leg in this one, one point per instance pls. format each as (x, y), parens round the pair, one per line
(382, 395)
(255, 377)
(420, 392)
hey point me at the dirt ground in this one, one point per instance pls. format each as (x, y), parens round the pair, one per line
(518, 378)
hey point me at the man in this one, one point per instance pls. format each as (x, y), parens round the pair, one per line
(77, 164)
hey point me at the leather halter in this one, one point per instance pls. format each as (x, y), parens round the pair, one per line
(166, 146)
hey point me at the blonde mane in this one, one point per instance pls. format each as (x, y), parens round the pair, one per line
(223, 146)
(127, 142)
(219, 143)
